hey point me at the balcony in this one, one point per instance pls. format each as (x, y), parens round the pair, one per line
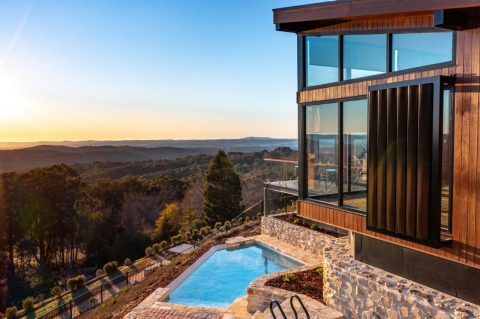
(281, 175)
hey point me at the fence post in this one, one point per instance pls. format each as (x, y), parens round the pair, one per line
(101, 292)
(71, 309)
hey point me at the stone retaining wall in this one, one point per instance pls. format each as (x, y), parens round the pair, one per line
(299, 236)
(362, 291)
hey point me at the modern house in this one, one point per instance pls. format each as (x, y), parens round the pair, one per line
(389, 132)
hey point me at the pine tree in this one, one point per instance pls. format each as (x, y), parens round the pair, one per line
(223, 191)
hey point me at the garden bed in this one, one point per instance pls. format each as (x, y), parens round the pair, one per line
(307, 223)
(308, 282)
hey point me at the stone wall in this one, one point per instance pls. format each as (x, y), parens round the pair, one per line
(307, 239)
(362, 291)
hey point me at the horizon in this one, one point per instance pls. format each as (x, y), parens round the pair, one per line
(74, 71)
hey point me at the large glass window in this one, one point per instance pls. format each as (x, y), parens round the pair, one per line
(410, 50)
(321, 59)
(355, 154)
(322, 146)
(364, 55)
(447, 140)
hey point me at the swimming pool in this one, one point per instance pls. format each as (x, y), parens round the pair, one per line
(226, 274)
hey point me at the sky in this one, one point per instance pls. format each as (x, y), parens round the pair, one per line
(150, 69)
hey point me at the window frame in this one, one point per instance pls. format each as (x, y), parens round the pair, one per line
(339, 150)
(451, 123)
(388, 72)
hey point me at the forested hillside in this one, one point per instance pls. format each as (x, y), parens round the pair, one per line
(59, 221)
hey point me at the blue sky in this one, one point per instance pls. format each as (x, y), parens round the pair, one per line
(117, 69)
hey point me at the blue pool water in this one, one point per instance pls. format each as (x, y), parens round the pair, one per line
(226, 275)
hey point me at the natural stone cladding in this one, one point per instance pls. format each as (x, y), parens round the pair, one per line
(362, 291)
(299, 236)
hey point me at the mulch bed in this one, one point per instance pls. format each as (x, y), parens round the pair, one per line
(307, 282)
(307, 223)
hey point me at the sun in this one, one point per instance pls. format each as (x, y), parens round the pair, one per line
(13, 100)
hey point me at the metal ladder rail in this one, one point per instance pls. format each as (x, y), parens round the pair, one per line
(274, 302)
(301, 304)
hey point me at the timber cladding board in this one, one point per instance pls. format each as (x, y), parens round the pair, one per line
(465, 247)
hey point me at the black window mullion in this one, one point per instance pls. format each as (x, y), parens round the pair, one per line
(340, 58)
(389, 53)
(340, 155)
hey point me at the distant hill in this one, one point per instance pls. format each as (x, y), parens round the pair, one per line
(44, 155)
(246, 144)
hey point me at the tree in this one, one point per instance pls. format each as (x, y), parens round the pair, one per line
(223, 190)
(168, 224)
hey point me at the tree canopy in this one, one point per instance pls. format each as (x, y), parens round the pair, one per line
(223, 190)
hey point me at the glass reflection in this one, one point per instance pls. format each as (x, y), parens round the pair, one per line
(322, 156)
(321, 59)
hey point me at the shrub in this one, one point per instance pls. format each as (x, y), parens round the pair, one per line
(314, 227)
(11, 313)
(259, 216)
(319, 271)
(156, 247)
(218, 225)
(198, 223)
(149, 252)
(163, 244)
(110, 267)
(289, 278)
(240, 219)
(205, 230)
(227, 225)
(247, 220)
(177, 239)
(56, 291)
(27, 304)
(297, 221)
(93, 301)
(2, 316)
(99, 273)
(188, 235)
(127, 262)
(76, 282)
(195, 234)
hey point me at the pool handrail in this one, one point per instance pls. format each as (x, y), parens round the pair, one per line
(301, 304)
(275, 302)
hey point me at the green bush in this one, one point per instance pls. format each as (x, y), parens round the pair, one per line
(163, 244)
(56, 291)
(314, 227)
(227, 225)
(297, 221)
(27, 304)
(76, 282)
(289, 278)
(188, 235)
(259, 216)
(205, 230)
(177, 239)
(195, 234)
(156, 247)
(11, 313)
(218, 225)
(149, 252)
(110, 267)
(319, 271)
(127, 262)
(247, 220)
(198, 223)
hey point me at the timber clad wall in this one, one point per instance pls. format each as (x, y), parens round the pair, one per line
(465, 246)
